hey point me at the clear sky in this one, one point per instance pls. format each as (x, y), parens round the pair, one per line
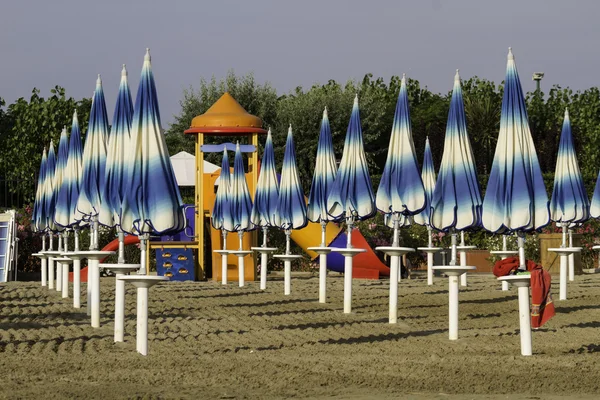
(290, 43)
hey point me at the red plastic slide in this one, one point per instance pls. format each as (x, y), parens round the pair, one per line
(112, 246)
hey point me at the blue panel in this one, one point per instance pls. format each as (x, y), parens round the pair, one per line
(177, 264)
(218, 148)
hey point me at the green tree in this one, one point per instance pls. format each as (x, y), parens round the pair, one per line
(257, 99)
(34, 123)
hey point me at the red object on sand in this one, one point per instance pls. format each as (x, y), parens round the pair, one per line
(542, 307)
(112, 246)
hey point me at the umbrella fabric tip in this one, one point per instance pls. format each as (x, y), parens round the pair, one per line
(325, 113)
(567, 113)
(124, 70)
(147, 56)
(457, 76)
(99, 81)
(510, 54)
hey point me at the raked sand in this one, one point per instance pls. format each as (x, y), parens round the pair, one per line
(208, 341)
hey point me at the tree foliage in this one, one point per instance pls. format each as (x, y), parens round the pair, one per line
(29, 125)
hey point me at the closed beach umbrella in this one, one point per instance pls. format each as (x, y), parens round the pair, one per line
(400, 191)
(240, 202)
(38, 204)
(428, 178)
(424, 217)
(117, 150)
(241, 208)
(456, 201)
(48, 192)
(400, 194)
(569, 202)
(515, 198)
(595, 204)
(264, 207)
(291, 207)
(221, 212)
(322, 182)
(60, 205)
(66, 214)
(153, 203)
(91, 188)
(267, 190)
(351, 196)
(323, 178)
(115, 185)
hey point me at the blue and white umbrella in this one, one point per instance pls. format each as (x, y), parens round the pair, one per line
(59, 171)
(595, 204)
(569, 203)
(48, 192)
(323, 178)
(221, 217)
(291, 207)
(221, 214)
(153, 203)
(91, 187)
(515, 198)
(117, 150)
(267, 191)
(239, 200)
(400, 194)
(37, 216)
(66, 213)
(241, 208)
(351, 196)
(456, 201)
(428, 178)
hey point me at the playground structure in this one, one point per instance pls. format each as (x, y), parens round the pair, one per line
(228, 119)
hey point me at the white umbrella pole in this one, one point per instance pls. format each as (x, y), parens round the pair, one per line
(224, 259)
(571, 258)
(453, 250)
(44, 263)
(263, 262)
(241, 271)
(65, 269)
(50, 263)
(287, 266)
(96, 225)
(59, 265)
(142, 321)
(121, 257)
(453, 306)
(429, 256)
(394, 276)
(348, 270)
(504, 248)
(463, 259)
(144, 254)
(323, 267)
(77, 282)
(76, 236)
(521, 242)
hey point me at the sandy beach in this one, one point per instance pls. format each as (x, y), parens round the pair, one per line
(207, 341)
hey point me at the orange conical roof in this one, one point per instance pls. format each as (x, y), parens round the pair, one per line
(226, 116)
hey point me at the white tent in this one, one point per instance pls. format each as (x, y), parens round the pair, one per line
(184, 166)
